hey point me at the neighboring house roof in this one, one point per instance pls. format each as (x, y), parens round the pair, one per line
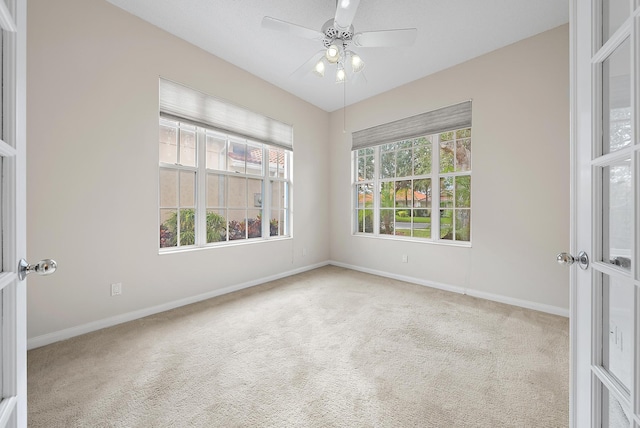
(254, 156)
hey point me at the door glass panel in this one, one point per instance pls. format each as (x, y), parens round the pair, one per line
(614, 13)
(616, 99)
(617, 327)
(1, 210)
(613, 415)
(617, 215)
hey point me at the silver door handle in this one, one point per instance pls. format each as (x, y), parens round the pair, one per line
(567, 259)
(43, 267)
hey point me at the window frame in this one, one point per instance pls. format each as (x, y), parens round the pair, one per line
(435, 176)
(202, 171)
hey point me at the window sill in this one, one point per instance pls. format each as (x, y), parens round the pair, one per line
(459, 244)
(240, 242)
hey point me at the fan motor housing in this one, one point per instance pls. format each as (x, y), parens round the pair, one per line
(331, 33)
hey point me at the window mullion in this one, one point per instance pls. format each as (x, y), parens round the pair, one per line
(376, 191)
(201, 192)
(435, 188)
(266, 193)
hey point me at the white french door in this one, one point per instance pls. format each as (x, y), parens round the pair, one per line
(13, 371)
(605, 303)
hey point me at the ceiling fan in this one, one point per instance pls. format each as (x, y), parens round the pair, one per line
(337, 37)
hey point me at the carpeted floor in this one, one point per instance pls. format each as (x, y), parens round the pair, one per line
(327, 348)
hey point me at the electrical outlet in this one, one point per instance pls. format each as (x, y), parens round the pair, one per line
(116, 289)
(405, 258)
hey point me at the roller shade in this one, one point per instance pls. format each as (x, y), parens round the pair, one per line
(445, 119)
(183, 103)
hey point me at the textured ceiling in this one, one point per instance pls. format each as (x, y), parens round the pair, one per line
(449, 32)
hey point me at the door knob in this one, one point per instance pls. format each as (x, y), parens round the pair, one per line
(567, 259)
(43, 267)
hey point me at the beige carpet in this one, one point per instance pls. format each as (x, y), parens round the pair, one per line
(326, 348)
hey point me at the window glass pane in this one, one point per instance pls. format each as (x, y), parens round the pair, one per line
(614, 13)
(422, 193)
(404, 163)
(361, 169)
(617, 327)
(254, 159)
(613, 414)
(387, 222)
(216, 190)
(168, 232)
(187, 146)
(388, 165)
(277, 192)
(422, 156)
(369, 168)
(389, 147)
(216, 151)
(254, 224)
(403, 222)
(237, 192)
(446, 192)
(168, 187)
(616, 99)
(187, 226)
(236, 157)
(463, 191)
(617, 216)
(237, 224)
(422, 223)
(387, 193)
(463, 225)
(216, 225)
(276, 162)
(255, 192)
(187, 189)
(365, 196)
(283, 226)
(168, 142)
(447, 136)
(285, 196)
(446, 156)
(365, 221)
(463, 133)
(274, 229)
(463, 155)
(404, 194)
(446, 224)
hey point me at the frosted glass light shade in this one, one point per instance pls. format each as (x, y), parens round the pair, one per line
(319, 68)
(357, 64)
(332, 54)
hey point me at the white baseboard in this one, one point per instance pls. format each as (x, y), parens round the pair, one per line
(68, 333)
(432, 284)
(461, 290)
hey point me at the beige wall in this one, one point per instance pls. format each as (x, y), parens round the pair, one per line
(520, 191)
(92, 167)
(92, 159)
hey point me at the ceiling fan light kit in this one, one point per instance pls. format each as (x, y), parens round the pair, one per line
(337, 34)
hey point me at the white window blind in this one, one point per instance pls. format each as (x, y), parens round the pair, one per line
(178, 102)
(445, 119)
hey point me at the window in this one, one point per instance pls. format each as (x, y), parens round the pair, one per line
(217, 186)
(399, 185)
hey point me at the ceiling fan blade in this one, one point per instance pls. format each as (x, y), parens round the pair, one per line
(385, 38)
(294, 29)
(307, 66)
(345, 12)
